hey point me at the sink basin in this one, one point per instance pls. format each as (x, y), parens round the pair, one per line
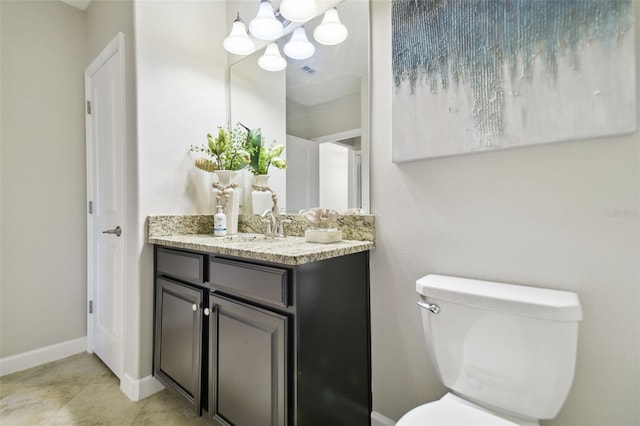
(248, 238)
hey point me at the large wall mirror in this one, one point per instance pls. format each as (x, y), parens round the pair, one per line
(318, 107)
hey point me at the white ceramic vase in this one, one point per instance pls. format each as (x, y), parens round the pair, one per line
(227, 196)
(261, 199)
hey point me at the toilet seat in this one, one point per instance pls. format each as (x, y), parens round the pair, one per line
(451, 410)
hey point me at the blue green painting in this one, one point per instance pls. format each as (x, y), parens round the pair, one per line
(477, 75)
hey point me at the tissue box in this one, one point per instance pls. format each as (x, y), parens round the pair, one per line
(322, 235)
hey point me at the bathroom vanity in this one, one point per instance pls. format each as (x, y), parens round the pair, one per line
(253, 331)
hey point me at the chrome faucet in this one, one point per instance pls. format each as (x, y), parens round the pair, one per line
(275, 223)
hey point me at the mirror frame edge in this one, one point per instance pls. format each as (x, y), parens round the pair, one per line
(365, 190)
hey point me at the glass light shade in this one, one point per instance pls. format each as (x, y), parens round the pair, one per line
(272, 60)
(265, 26)
(331, 31)
(298, 10)
(238, 41)
(298, 47)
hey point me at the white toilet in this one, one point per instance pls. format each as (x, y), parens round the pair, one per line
(506, 352)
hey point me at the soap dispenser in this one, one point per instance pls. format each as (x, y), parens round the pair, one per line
(219, 223)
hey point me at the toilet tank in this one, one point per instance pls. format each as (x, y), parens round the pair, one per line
(503, 346)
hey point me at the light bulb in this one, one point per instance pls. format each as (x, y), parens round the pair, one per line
(298, 47)
(272, 60)
(298, 10)
(331, 31)
(238, 41)
(265, 26)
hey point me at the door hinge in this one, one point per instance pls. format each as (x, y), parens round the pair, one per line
(89, 107)
(90, 207)
(90, 306)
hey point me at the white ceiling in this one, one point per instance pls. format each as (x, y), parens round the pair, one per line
(338, 69)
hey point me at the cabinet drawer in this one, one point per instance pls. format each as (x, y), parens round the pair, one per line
(179, 264)
(257, 282)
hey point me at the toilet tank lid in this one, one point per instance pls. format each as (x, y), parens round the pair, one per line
(535, 302)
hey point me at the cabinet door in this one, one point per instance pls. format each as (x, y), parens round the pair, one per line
(248, 364)
(178, 338)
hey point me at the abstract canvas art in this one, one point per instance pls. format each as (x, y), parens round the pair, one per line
(477, 75)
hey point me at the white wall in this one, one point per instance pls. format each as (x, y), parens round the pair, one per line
(534, 216)
(181, 97)
(338, 115)
(258, 101)
(43, 224)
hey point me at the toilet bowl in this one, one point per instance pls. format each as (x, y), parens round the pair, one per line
(452, 410)
(507, 352)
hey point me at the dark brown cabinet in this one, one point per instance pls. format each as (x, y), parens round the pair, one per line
(248, 364)
(279, 345)
(178, 338)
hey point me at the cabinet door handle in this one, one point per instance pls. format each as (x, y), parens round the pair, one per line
(194, 307)
(206, 312)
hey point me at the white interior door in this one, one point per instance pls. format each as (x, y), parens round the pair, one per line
(104, 92)
(302, 174)
(334, 176)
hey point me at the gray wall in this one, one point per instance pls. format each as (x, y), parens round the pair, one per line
(534, 216)
(43, 264)
(46, 46)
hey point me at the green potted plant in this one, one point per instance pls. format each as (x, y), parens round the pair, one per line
(261, 156)
(225, 155)
(226, 151)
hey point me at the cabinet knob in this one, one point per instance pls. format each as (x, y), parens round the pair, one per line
(206, 312)
(194, 307)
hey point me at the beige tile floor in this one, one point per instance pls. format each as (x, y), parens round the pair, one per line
(81, 390)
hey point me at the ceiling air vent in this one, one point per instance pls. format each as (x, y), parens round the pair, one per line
(308, 69)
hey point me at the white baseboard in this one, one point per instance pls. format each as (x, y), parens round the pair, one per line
(378, 419)
(19, 362)
(137, 389)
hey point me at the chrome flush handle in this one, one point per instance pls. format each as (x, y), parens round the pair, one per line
(430, 306)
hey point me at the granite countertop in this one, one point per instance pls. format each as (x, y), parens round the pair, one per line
(287, 251)
(191, 232)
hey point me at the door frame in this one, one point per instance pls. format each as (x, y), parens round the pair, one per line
(115, 47)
